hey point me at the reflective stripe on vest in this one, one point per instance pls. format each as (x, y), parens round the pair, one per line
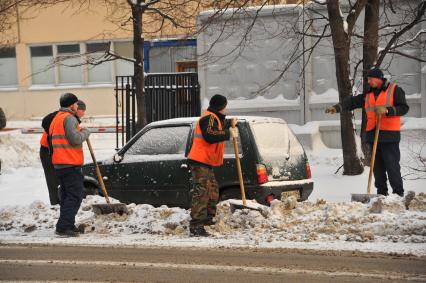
(385, 98)
(63, 151)
(204, 152)
(43, 140)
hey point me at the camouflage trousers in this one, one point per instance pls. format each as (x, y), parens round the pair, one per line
(205, 195)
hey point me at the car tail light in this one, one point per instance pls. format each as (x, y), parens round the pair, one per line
(262, 174)
(269, 198)
(308, 169)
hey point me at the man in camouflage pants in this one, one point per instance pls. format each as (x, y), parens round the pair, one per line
(206, 153)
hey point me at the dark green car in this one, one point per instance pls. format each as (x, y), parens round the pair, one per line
(152, 167)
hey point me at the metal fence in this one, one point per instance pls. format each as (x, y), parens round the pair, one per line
(167, 95)
(171, 95)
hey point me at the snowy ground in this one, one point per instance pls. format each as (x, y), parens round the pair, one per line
(327, 221)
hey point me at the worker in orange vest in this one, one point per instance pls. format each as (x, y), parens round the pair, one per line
(45, 156)
(386, 99)
(67, 143)
(207, 151)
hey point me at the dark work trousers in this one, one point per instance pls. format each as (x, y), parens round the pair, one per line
(204, 196)
(387, 163)
(71, 179)
(50, 175)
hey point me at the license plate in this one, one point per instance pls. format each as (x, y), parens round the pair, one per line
(287, 194)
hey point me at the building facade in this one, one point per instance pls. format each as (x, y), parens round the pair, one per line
(47, 49)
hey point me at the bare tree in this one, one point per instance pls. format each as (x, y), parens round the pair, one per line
(11, 12)
(340, 24)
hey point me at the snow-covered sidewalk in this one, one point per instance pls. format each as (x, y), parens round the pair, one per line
(384, 225)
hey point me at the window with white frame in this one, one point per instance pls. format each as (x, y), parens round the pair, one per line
(124, 49)
(63, 63)
(69, 64)
(42, 65)
(8, 71)
(98, 73)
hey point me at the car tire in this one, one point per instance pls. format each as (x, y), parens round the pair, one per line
(230, 193)
(90, 189)
(2, 119)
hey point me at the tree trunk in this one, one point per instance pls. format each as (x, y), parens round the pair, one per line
(370, 49)
(341, 42)
(139, 80)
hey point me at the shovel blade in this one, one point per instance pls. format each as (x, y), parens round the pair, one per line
(238, 204)
(119, 208)
(364, 198)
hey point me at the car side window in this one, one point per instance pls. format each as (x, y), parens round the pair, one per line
(164, 140)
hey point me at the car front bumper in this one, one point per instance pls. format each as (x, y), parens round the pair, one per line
(304, 187)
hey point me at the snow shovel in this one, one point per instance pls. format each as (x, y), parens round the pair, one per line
(365, 198)
(236, 204)
(109, 207)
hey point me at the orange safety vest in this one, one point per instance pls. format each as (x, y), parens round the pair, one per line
(204, 152)
(63, 151)
(43, 140)
(385, 98)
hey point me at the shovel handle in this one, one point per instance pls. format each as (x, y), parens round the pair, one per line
(240, 174)
(373, 154)
(98, 171)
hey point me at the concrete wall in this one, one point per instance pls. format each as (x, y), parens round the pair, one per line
(245, 66)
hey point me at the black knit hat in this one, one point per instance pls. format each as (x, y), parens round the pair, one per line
(81, 105)
(218, 102)
(67, 99)
(375, 73)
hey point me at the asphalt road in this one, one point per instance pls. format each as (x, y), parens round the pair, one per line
(62, 263)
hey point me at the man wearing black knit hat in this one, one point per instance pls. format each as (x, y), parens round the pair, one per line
(388, 100)
(207, 151)
(66, 139)
(45, 153)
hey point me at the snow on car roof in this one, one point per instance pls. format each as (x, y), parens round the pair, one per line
(251, 119)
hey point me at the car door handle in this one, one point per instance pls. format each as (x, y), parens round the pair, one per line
(184, 166)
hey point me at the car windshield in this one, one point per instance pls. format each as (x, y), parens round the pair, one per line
(275, 141)
(164, 140)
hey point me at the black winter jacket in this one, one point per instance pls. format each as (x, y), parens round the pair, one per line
(400, 108)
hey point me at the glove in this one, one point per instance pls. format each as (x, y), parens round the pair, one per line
(233, 132)
(381, 110)
(234, 122)
(331, 110)
(85, 131)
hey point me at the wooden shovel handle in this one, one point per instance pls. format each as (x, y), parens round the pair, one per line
(373, 153)
(240, 174)
(98, 171)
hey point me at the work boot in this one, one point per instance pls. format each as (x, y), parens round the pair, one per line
(198, 232)
(67, 233)
(209, 222)
(79, 229)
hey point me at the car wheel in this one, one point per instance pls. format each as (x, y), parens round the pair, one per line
(90, 189)
(2, 119)
(230, 193)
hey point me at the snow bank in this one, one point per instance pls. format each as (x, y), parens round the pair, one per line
(384, 221)
(15, 153)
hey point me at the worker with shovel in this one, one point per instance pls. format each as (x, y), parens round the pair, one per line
(385, 103)
(66, 141)
(45, 155)
(207, 151)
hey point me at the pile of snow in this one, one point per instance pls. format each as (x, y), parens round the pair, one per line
(384, 219)
(15, 153)
(40, 219)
